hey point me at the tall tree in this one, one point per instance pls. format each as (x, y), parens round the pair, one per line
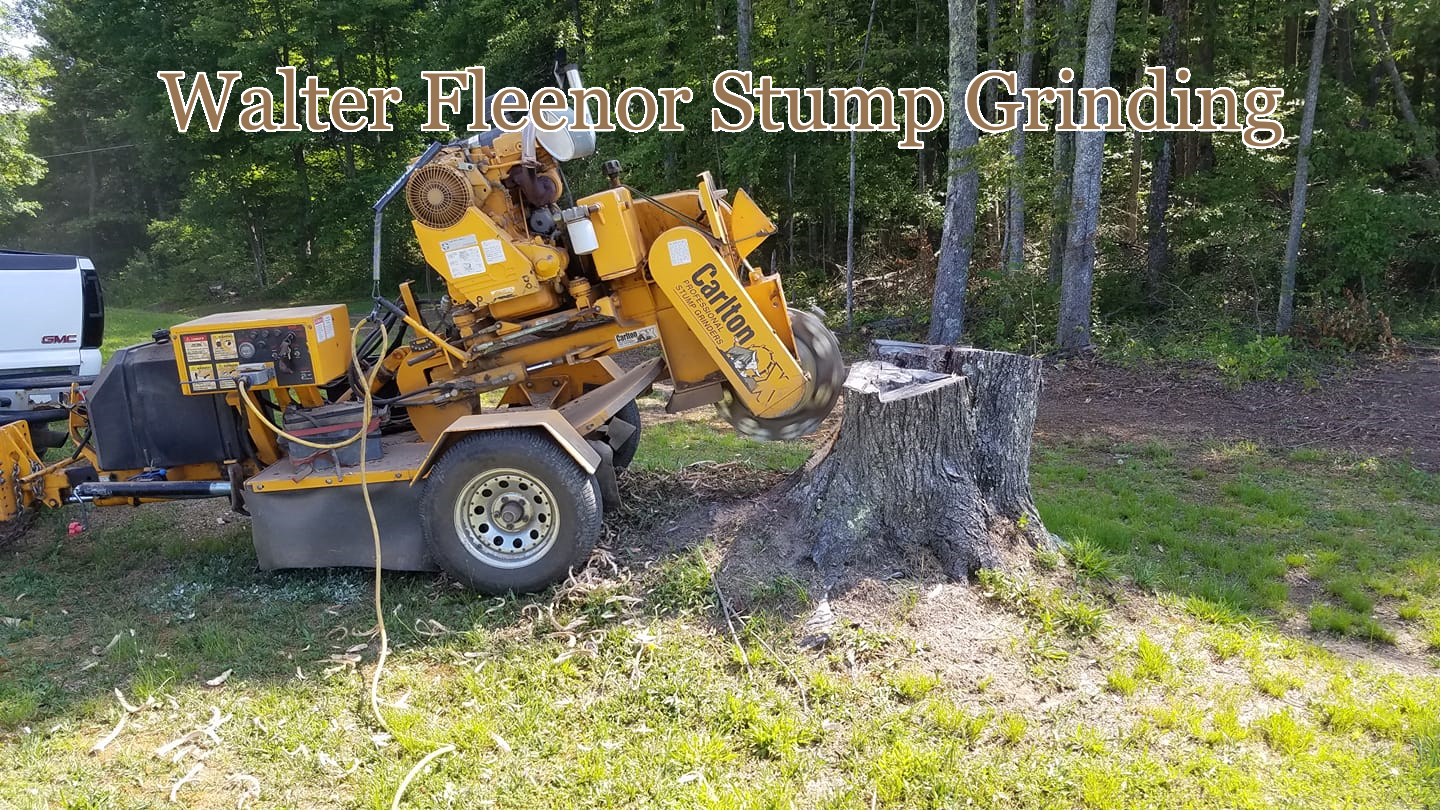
(744, 23)
(992, 49)
(952, 275)
(1063, 157)
(1286, 315)
(1157, 254)
(1078, 275)
(1387, 56)
(1137, 138)
(1015, 203)
(860, 113)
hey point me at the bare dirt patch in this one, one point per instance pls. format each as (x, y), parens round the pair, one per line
(1385, 409)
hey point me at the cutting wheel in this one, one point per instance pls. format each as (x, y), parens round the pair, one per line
(819, 354)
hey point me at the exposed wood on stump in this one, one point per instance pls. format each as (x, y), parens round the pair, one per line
(931, 464)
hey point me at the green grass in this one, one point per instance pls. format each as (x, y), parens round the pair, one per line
(1363, 531)
(698, 440)
(126, 327)
(1168, 660)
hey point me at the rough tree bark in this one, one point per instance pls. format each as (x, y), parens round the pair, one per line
(1286, 314)
(1077, 279)
(957, 238)
(931, 464)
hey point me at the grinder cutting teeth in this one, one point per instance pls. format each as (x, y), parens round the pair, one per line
(819, 354)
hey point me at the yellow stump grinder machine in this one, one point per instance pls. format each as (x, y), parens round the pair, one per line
(299, 419)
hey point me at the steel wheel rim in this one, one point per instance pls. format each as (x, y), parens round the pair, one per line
(507, 518)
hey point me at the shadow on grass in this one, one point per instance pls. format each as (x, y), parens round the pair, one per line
(142, 604)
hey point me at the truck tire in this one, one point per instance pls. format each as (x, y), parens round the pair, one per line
(625, 453)
(509, 511)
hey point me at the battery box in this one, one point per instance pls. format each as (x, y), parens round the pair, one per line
(301, 346)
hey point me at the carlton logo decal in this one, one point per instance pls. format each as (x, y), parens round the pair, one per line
(753, 364)
(723, 304)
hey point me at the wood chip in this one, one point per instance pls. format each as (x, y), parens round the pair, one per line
(125, 704)
(189, 776)
(109, 738)
(184, 739)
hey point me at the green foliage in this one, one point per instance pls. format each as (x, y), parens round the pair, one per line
(20, 79)
(216, 217)
(1264, 358)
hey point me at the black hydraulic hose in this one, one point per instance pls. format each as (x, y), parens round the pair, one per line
(152, 489)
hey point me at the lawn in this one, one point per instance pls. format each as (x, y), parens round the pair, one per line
(1230, 627)
(126, 327)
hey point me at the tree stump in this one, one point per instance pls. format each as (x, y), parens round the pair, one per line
(931, 463)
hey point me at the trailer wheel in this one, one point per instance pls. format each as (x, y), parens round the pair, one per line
(625, 453)
(509, 510)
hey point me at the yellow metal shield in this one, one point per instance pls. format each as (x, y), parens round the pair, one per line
(711, 299)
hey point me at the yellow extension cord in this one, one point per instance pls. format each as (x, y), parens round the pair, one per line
(368, 398)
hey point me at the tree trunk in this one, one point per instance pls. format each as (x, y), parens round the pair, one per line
(1387, 56)
(860, 114)
(931, 463)
(1063, 158)
(1015, 206)
(744, 21)
(992, 50)
(1078, 275)
(1290, 42)
(1157, 254)
(1377, 76)
(1344, 46)
(1137, 138)
(1286, 315)
(952, 276)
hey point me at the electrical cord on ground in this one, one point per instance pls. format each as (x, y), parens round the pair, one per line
(367, 408)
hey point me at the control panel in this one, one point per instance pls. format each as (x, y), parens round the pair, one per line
(287, 348)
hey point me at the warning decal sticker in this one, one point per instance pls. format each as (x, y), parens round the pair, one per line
(197, 348)
(224, 345)
(202, 378)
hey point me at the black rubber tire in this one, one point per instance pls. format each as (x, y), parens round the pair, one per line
(625, 453)
(577, 506)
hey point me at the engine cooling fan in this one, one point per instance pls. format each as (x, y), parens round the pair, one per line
(438, 196)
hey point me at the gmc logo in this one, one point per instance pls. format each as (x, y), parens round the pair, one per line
(51, 340)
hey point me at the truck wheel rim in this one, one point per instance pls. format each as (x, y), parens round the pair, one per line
(507, 518)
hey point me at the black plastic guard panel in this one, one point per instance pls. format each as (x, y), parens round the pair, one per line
(327, 526)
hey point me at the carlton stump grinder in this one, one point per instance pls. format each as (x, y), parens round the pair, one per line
(297, 418)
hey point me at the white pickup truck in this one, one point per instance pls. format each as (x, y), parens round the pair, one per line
(50, 335)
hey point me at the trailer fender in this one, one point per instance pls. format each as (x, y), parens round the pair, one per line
(546, 419)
